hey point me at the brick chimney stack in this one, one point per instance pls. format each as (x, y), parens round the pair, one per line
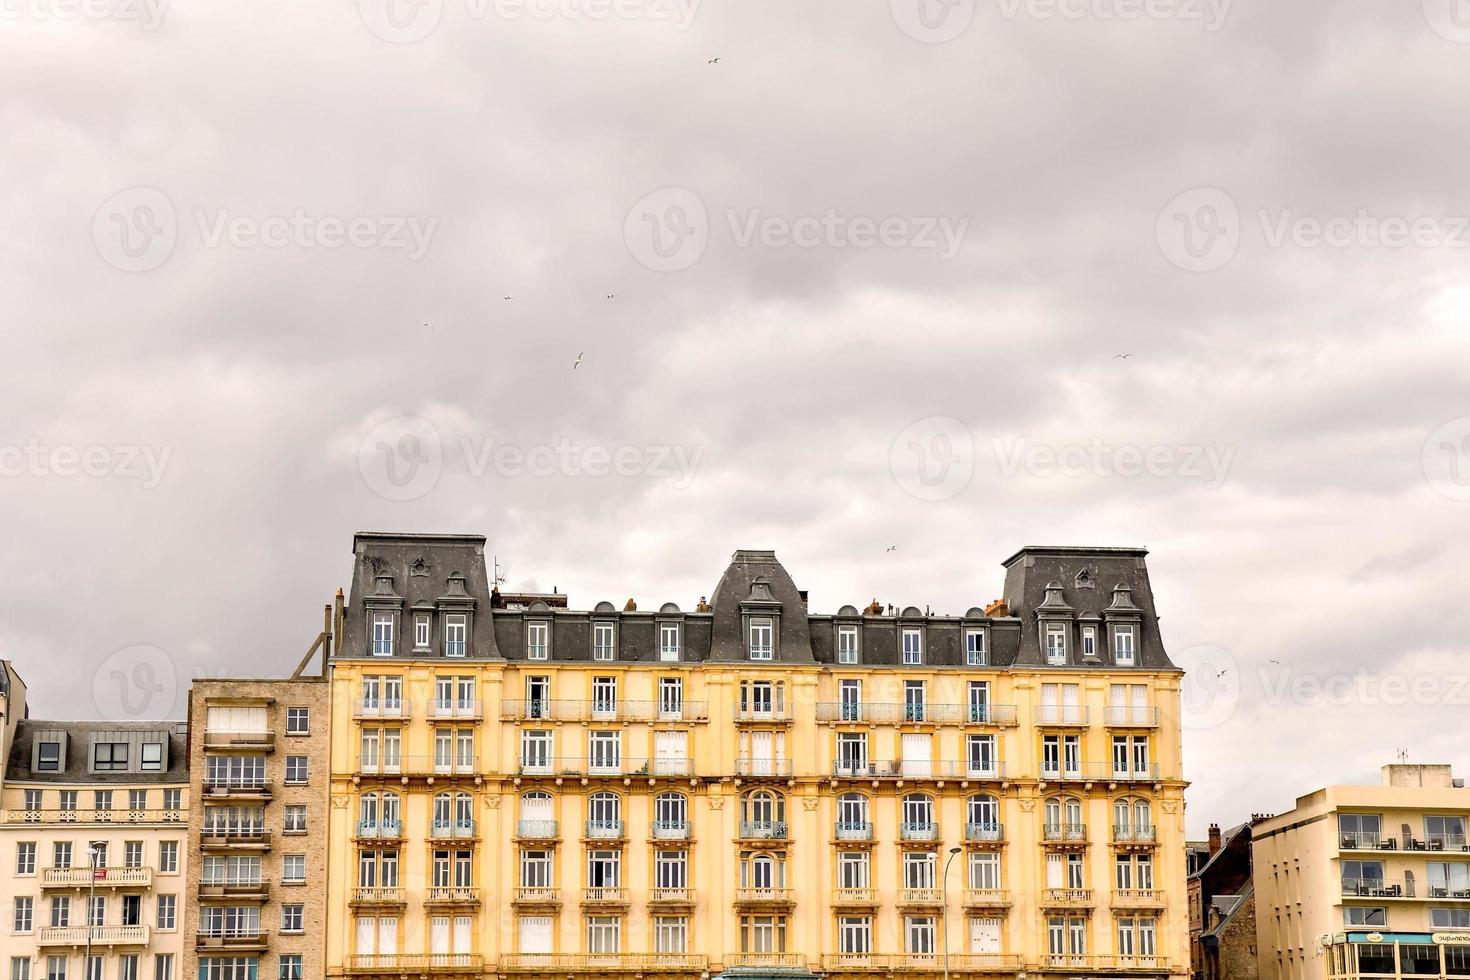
(1214, 838)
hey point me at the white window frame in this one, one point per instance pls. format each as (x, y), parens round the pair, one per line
(383, 628)
(977, 653)
(1125, 654)
(847, 645)
(538, 640)
(912, 652)
(762, 638)
(604, 641)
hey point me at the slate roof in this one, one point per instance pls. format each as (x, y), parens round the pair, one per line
(78, 744)
(430, 573)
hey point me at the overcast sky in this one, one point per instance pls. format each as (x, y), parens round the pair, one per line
(275, 272)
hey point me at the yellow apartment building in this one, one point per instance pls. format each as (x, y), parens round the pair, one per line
(1367, 881)
(93, 819)
(748, 788)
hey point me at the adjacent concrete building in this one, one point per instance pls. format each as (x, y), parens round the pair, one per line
(92, 846)
(750, 788)
(1367, 881)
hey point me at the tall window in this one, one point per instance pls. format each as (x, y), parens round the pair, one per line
(603, 933)
(1123, 653)
(671, 697)
(604, 752)
(847, 644)
(980, 756)
(913, 645)
(854, 934)
(1089, 641)
(536, 751)
(918, 932)
(668, 641)
(456, 628)
(1056, 643)
(604, 697)
(383, 634)
(983, 871)
(602, 641)
(975, 648)
(537, 641)
(421, 632)
(670, 934)
(761, 643)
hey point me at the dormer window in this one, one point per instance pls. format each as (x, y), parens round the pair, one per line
(975, 654)
(1056, 643)
(761, 642)
(110, 756)
(1089, 641)
(383, 634)
(421, 631)
(1123, 650)
(152, 757)
(48, 757)
(847, 644)
(668, 641)
(913, 645)
(603, 641)
(538, 643)
(456, 629)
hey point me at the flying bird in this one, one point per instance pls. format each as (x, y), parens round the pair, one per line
(1223, 672)
(892, 547)
(612, 295)
(1276, 662)
(578, 361)
(713, 61)
(1123, 356)
(509, 297)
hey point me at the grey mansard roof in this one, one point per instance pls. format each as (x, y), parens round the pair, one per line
(79, 739)
(431, 574)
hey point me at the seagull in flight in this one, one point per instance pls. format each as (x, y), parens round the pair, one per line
(713, 61)
(509, 297)
(612, 295)
(1122, 356)
(892, 547)
(578, 361)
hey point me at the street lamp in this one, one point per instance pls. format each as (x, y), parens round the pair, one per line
(944, 911)
(93, 850)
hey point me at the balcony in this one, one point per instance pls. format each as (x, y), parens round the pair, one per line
(418, 963)
(765, 897)
(1367, 841)
(232, 941)
(763, 715)
(605, 896)
(984, 833)
(1139, 774)
(98, 877)
(1123, 834)
(100, 935)
(671, 767)
(535, 895)
(536, 830)
(863, 769)
(254, 789)
(920, 898)
(1065, 898)
(602, 964)
(471, 709)
(1104, 961)
(1076, 772)
(440, 765)
(1135, 898)
(670, 830)
(380, 830)
(1440, 891)
(603, 830)
(578, 766)
(986, 898)
(1060, 716)
(917, 769)
(233, 837)
(452, 829)
(762, 768)
(542, 710)
(243, 741)
(854, 897)
(762, 830)
(93, 816)
(903, 964)
(671, 896)
(1064, 833)
(778, 961)
(918, 831)
(377, 896)
(447, 895)
(246, 889)
(1131, 716)
(1377, 888)
(899, 713)
(388, 710)
(861, 830)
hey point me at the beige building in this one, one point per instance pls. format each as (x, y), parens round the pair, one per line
(93, 819)
(750, 789)
(1367, 881)
(257, 870)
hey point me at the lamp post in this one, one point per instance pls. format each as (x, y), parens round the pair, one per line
(92, 851)
(944, 911)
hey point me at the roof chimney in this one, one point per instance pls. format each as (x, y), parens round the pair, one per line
(1214, 838)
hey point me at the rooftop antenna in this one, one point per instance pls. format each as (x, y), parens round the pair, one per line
(499, 573)
(1403, 755)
